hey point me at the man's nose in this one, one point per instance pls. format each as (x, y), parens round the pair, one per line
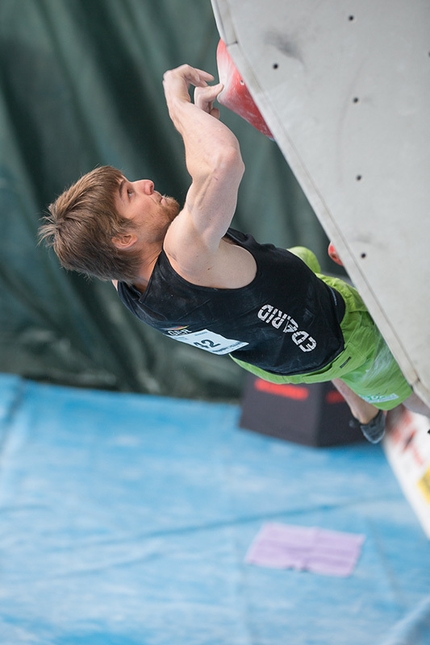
(146, 185)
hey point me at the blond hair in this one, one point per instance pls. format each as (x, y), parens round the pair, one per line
(81, 224)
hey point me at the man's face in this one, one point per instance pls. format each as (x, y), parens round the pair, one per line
(149, 211)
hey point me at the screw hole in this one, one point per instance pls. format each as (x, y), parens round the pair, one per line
(275, 65)
(359, 177)
(363, 255)
(350, 17)
(355, 99)
(242, 82)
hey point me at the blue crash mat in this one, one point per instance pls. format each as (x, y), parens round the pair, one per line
(125, 520)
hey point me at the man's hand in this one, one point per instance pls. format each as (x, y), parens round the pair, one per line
(177, 81)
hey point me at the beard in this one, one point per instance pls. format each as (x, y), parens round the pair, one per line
(156, 226)
(171, 208)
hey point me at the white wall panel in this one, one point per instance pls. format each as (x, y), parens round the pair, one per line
(345, 88)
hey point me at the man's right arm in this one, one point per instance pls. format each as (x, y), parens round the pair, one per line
(214, 162)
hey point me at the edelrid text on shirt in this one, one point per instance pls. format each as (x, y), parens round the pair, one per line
(275, 317)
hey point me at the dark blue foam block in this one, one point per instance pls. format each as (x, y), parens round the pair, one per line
(125, 519)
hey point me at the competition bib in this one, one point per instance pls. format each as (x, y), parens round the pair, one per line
(208, 340)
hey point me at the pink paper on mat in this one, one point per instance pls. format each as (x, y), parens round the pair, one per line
(281, 546)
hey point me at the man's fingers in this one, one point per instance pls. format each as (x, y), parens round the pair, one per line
(205, 76)
(204, 96)
(192, 75)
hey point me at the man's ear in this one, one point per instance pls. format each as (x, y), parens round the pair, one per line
(124, 241)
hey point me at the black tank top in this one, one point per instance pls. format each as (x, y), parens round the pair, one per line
(286, 321)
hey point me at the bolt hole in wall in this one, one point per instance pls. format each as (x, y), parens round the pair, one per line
(275, 65)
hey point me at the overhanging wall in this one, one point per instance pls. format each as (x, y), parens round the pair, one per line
(344, 88)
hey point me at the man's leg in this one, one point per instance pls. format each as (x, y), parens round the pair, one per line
(371, 420)
(360, 409)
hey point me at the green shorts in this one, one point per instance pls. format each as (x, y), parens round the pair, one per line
(366, 364)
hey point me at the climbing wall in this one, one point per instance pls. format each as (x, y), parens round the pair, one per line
(344, 88)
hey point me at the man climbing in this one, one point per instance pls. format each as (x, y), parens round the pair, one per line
(185, 272)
